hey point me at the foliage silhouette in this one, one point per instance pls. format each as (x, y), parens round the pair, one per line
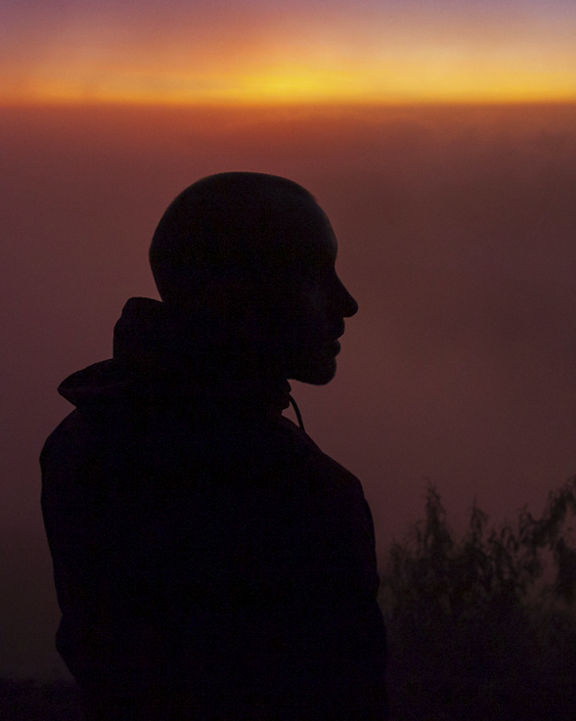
(484, 626)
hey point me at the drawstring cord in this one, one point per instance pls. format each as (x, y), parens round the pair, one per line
(297, 412)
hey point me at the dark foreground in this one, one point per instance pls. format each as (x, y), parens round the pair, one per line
(481, 627)
(37, 701)
(552, 699)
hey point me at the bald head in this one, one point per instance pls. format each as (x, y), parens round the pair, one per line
(239, 225)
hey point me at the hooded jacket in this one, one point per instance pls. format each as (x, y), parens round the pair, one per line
(210, 561)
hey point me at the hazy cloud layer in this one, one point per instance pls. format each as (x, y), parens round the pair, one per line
(457, 230)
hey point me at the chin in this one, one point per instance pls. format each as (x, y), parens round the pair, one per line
(317, 374)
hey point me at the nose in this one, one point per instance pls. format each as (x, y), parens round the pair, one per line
(348, 304)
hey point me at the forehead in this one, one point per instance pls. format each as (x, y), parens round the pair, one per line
(308, 236)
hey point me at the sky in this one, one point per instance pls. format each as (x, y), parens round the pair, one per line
(266, 51)
(456, 226)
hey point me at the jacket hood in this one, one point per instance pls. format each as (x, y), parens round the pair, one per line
(103, 382)
(162, 356)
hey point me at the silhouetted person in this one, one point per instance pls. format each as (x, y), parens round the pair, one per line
(211, 563)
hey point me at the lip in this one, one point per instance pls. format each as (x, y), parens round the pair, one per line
(333, 347)
(331, 344)
(337, 333)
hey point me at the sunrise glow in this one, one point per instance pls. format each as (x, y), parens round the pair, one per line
(300, 84)
(268, 53)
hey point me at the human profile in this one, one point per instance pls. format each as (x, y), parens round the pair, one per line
(211, 562)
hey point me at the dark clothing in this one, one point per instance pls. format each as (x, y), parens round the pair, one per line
(211, 562)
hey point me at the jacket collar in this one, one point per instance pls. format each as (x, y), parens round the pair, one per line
(162, 356)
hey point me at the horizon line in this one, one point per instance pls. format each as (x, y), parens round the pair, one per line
(283, 105)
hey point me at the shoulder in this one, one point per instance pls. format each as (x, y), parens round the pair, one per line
(77, 435)
(339, 516)
(308, 452)
(70, 439)
(326, 479)
(78, 446)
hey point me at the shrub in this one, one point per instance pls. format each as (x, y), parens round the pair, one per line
(484, 627)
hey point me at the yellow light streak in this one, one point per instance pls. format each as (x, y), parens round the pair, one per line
(417, 80)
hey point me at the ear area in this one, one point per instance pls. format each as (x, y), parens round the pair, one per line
(225, 293)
